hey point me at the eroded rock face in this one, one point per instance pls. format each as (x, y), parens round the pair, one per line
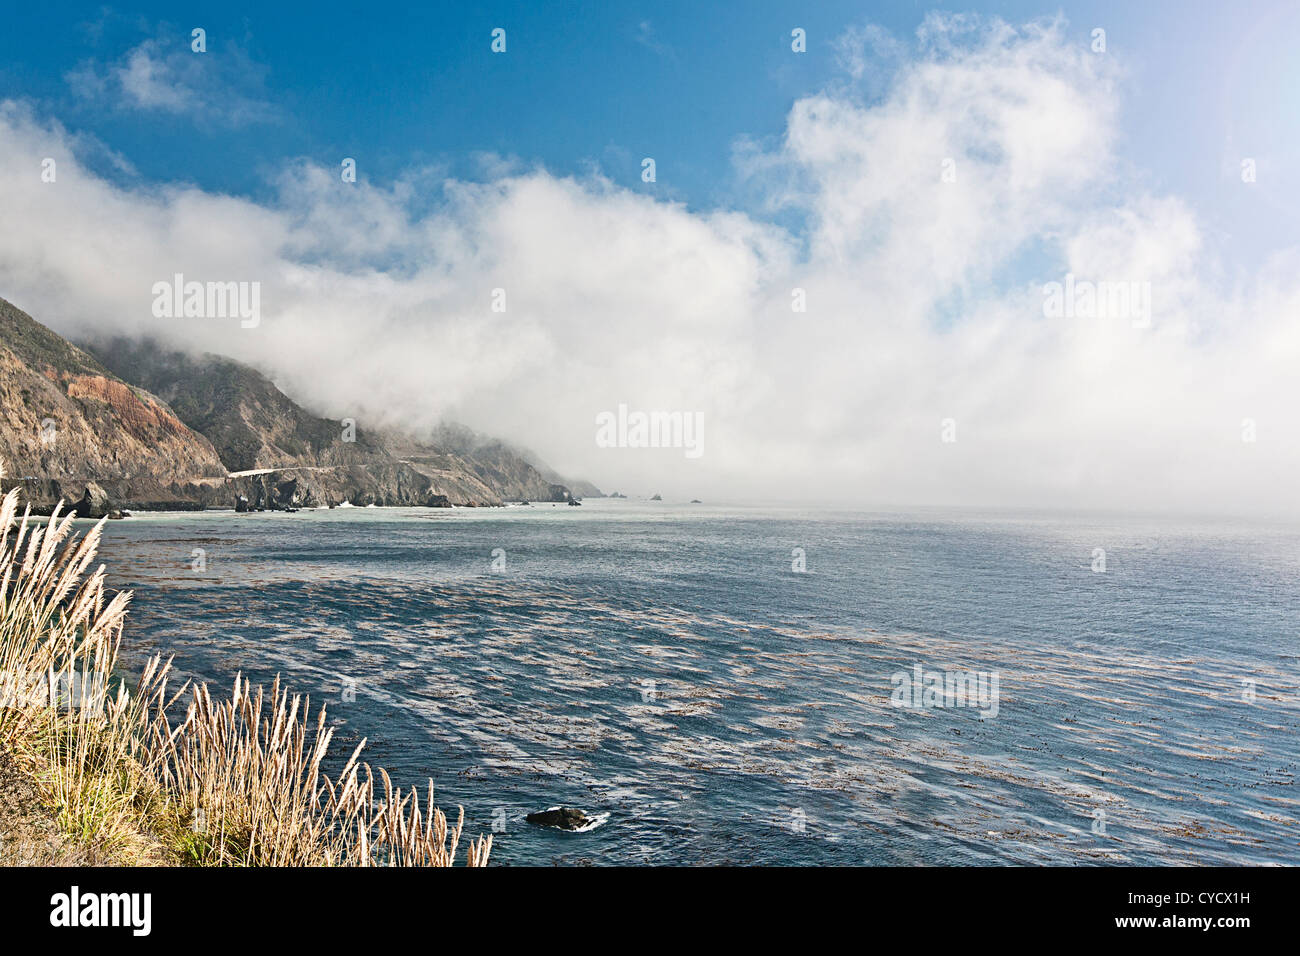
(94, 502)
(141, 414)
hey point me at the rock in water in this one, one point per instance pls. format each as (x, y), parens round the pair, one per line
(94, 503)
(563, 818)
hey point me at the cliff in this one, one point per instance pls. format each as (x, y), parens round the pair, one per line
(207, 432)
(66, 422)
(302, 459)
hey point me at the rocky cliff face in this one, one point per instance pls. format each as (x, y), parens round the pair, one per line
(127, 424)
(280, 455)
(66, 422)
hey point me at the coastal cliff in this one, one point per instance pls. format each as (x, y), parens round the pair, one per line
(67, 423)
(126, 423)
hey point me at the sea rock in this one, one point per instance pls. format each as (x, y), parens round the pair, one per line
(94, 502)
(286, 494)
(561, 818)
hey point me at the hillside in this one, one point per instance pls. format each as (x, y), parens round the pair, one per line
(130, 424)
(312, 461)
(67, 422)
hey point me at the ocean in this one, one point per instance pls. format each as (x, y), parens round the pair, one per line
(733, 685)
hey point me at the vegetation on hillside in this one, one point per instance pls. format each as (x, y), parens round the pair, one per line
(234, 781)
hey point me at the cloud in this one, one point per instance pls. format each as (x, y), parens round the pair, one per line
(864, 51)
(164, 75)
(934, 211)
(647, 36)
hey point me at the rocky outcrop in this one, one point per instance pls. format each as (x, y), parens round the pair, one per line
(94, 502)
(562, 818)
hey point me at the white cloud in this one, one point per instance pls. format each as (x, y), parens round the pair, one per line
(925, 300)
(221, 87)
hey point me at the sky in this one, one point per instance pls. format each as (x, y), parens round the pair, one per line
(920, 174)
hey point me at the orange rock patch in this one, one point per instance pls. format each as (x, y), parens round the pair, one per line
(135, 414)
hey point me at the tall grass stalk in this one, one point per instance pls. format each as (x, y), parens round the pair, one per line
(234, 781)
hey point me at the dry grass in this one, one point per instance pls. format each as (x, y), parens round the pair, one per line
(236, 781)
(29, 835)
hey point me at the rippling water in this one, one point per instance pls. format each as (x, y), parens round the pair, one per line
(664, 664)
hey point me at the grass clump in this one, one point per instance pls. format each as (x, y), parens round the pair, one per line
(235, 781)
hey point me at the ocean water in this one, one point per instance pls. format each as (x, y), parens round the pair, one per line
(665, 664)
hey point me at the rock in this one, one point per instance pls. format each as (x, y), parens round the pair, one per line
(286, 495)
(94, 502)
(696, 501)
(574, 501)
(555, 493)
(657, 498)
(241, 504)
(562, 818)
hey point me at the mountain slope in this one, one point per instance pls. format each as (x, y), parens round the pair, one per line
(66, 421)
(129, 424)
(311, 460)
(250, 422)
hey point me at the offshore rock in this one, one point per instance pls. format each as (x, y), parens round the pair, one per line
(562, 818)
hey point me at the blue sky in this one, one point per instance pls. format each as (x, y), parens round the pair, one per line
(779, 175)
(602, 84)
